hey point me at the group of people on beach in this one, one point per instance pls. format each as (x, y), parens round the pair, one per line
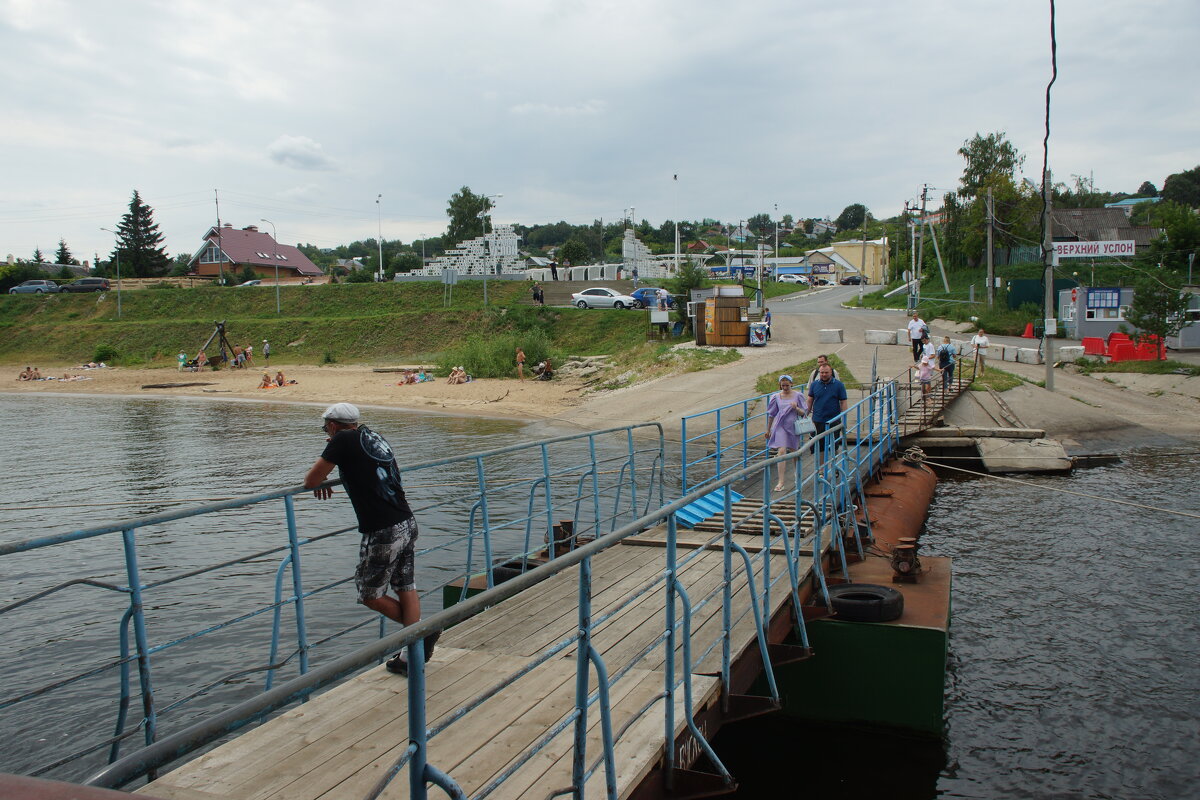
(411, 376)
(544, 370)
(35, 374)
(274, 383)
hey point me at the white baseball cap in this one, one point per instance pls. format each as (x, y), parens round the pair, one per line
(341, 412)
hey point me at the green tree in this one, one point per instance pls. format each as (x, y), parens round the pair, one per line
(787, 221)
(63, 256)
(1147, 189)
(852, 216)
(139, 243)
(38, 258)
(406, 262)
(464, 210)
(1183, 187)
(987, 157)
(761, 224)
(247, 274)
(360, 276)
(179, 265)
(574, 252)
(1181, 234)
(1158, 309)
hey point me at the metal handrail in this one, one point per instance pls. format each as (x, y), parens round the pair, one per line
(168, 748)
(144, 652)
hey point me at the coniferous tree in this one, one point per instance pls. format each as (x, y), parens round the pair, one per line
(139, 244)
(38, 258)
(63, 256)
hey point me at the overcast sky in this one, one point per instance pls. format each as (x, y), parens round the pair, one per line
(305, 112)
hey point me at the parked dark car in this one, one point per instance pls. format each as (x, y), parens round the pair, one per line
(852, 280)
(36, 287)
(648, 297)
(87, 285)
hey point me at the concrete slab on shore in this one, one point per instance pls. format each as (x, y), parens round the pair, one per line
(1023, 455)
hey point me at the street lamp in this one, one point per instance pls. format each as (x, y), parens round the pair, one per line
(761, 277)
(275, 255)
(379, 219)
(118, 253)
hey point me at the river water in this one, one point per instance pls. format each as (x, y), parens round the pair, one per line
(1074, 655)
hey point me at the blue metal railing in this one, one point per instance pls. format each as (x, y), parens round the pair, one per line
(825, 469)
(616, 465)
(676, 637)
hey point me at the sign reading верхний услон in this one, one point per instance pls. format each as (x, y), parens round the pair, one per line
(1093, 249)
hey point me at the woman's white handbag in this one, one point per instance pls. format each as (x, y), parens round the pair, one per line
(805, 426)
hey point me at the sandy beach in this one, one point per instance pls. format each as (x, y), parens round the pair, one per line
(360, 384)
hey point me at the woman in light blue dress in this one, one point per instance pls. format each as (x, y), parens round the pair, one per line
(783, 407)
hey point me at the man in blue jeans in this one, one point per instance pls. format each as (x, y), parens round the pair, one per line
(826, 398)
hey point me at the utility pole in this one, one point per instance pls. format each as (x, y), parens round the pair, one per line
(862, 266)
(1048, 256)
(379, 219)
(760, 277)
(676, 215)
(920, 266)
(991, 266)
(220, 250)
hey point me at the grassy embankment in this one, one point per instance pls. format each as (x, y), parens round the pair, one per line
(362, 323)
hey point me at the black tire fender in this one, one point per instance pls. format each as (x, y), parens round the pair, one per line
(866, 602)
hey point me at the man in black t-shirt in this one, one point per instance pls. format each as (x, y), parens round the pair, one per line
(371, 478)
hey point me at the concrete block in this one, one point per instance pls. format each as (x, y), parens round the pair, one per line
(902, 337)
(880, 337)
(1069, 353)
(1023, 455)
(1005, 352)
(829, 336)
(1028, 355)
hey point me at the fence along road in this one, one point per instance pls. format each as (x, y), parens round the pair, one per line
(594, 662)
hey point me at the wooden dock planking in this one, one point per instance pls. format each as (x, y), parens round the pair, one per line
(342, 741)
(556, 597)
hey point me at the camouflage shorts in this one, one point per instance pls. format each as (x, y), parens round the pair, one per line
(385, 558)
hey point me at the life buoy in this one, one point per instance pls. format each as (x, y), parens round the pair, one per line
(866, 602)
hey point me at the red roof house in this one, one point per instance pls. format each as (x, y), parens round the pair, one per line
(230, 249)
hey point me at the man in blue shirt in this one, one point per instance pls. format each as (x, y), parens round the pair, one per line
(827, 398)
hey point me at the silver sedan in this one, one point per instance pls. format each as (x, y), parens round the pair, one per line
(601, 297)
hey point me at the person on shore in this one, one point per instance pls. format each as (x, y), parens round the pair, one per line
(521, 364)
(27, 375)
(37, 375)
(457, 375)
(282, 381)
(815, 375)
(267, 381)
(201, 360)
(917, 329)
(266, 350)
(826, 398)
(767, 321)
(369, 473)
(538, 296)
(783, 408)
(182, 359)
(945, 360)
(553, 271)
(544, 371)
(980, 342)
(663, 297)
(635, 277)
(248, 355)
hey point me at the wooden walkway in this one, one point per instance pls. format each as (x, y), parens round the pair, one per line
(340, 743)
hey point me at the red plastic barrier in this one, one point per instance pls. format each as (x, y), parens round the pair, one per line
(1093, 346)
(1122, 351)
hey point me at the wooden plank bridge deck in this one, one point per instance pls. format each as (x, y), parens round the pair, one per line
(340, 743)
(924, 413)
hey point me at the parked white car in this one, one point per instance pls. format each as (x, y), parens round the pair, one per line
(790, 278)
(600, 297)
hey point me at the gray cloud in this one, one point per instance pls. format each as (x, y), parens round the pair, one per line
(299, 152)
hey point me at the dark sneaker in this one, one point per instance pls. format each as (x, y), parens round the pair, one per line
(430, 641)
(398, 664)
